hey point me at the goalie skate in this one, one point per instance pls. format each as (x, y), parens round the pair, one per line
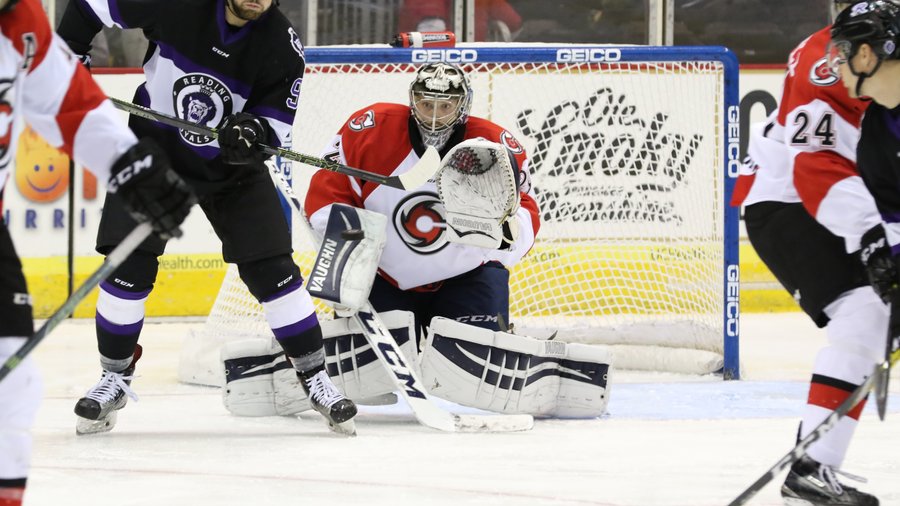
(97, 409)
(330, 402)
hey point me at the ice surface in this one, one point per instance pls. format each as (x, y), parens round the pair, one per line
(668, 440)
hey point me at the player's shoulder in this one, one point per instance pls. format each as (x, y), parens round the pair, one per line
(480, 127)
(26, 21)
(809, 63)
(281, 34)
(380, 117)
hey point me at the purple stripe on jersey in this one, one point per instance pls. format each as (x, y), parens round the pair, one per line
(269, 112)
(119, 330)
(188, 66)
(142, 96)
(891, 217)
(292, 287)
(205, 152)
(893, 121)
(228, 33)
(895, 250)
(117, 292)
(298, 328)
(115, 14)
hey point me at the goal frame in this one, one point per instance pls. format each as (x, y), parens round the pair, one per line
(601, 54)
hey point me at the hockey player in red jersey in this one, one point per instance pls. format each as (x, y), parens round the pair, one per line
(43, 84)
(806, 212)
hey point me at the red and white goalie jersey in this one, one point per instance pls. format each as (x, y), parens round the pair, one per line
(417, 252)
(44, 85)
(806, 150)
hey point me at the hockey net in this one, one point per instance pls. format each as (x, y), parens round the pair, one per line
(629, 155)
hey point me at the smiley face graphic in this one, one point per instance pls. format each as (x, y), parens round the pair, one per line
(42, 171)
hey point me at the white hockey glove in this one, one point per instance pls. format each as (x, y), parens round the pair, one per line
(477, 183)
(259, 381)
(513, 374)
(345, 267)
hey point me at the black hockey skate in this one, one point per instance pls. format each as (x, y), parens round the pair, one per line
(810, 483)
(97, 409)
(330, 402)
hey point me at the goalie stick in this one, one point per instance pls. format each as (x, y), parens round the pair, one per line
(827, 424)
(112, 261)
(420, 173)
(408, 383)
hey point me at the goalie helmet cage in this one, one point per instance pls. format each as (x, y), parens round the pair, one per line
(633, 156)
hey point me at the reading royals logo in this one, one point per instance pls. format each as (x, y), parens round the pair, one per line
(202, 99)
(420, 223)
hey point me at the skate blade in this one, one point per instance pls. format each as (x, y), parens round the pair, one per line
(85, 426)
(347, 428)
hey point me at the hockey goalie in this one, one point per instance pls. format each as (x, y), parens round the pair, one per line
(433, 262)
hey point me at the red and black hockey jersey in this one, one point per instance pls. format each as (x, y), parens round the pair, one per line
(417, 253)
(806, 150)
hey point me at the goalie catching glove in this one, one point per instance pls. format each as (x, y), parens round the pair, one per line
(150, 189)
(477, 183)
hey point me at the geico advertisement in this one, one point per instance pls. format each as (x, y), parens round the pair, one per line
(36, 200)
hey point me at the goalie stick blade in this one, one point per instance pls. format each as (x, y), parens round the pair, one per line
(493, 423)
(421, 172)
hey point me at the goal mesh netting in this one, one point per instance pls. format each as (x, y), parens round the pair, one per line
(629, 156)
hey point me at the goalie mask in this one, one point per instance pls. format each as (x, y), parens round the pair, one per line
(440, 98)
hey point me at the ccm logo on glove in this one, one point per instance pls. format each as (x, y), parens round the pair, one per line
(128, 172)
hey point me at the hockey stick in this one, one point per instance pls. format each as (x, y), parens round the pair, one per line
(418, 175)
(883, 373)
(408, 383)
(827, 424)
(112, 261)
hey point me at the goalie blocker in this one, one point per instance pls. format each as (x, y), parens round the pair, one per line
(471, 366)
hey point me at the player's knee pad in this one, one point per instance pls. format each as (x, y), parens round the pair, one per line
(259, 381)
(136, 274)
(508, 373)
(858, 323)
(268, 277)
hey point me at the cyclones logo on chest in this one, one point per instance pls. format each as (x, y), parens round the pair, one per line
(419, 221)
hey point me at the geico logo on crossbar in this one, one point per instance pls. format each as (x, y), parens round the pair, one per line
(589, 54)
(446, 55)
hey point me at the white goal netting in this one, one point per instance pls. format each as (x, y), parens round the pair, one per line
(628, 162)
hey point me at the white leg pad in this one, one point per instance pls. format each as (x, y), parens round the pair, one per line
(259, 381)
(507, 373)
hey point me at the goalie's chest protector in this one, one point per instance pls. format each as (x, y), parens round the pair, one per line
(417, 250)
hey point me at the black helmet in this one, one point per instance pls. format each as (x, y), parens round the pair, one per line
(7, 5)
(873, 22)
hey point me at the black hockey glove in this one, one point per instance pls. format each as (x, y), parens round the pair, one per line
(881, 265)
(150, 189)
(82, 52)
(239, 138)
